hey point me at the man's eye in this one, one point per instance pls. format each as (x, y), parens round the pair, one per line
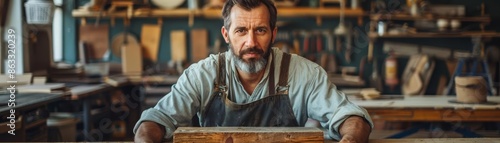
(239, 31)
(261, 31)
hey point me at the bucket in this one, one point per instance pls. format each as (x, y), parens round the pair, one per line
(470, 89)
(62, 127)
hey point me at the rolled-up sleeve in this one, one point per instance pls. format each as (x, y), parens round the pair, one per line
(177, 108)
(330, 106)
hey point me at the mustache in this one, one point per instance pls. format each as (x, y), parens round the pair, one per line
(252, 50)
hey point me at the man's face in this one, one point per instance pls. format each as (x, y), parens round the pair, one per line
(249, 37)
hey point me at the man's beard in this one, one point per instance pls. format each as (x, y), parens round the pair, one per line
(253, 65)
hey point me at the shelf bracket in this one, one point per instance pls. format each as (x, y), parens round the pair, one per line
(191, 19)
(83, 21)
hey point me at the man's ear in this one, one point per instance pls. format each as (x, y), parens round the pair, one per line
(225, 33)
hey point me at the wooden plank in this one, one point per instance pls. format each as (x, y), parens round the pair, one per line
(437, 140)
(199, 44)
(97, 37)
(131, 55)
(437, 35)
(297, 12)
(178, 45)
(216, 13)
(483, 19)
(82, 91)
(248, 134)
(448, 115)
(150, 40)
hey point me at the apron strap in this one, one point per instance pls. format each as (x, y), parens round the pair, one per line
(285, 63)
(272, 89)
(220, 81)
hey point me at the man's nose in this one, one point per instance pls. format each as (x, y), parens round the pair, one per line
(250, 40)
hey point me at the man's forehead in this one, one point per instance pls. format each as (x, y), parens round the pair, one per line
(258, 16)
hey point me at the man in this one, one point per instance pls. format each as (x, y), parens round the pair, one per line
(253, 84)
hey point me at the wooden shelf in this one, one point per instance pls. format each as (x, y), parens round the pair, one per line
(216, 13)
(298, 12)
(137, 13)
(437, 35)
(403, 17)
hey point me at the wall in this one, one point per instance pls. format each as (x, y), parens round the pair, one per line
(360, 45)
(15, 22)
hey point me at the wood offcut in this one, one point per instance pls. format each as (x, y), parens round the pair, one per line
(248, 134)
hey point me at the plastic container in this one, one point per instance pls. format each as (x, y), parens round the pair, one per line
(39, 11)
(62, 127)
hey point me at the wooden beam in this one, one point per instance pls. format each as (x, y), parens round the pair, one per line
(248, 134)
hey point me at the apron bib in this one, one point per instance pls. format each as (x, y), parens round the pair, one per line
(274, 110)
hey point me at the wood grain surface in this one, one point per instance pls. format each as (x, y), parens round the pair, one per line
(178, 45)
(150, 40)
(97, 37)
(248, 134)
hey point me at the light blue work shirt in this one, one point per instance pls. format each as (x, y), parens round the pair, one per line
(311, 93)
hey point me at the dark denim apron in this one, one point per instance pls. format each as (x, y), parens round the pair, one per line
(273, 110)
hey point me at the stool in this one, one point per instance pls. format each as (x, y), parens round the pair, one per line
(471, 72)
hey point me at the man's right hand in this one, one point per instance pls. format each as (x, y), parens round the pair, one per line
(149, 132)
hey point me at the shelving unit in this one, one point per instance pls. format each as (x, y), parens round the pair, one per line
(373, 35)
(216, 13)
(406, 17)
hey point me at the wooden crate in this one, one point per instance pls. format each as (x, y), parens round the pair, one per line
(248, 134)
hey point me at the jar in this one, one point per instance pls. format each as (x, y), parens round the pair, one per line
(442, 24)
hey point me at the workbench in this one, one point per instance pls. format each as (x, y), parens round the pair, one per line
(430, 108)
(288, 134)
(83, 97)
(31, 116)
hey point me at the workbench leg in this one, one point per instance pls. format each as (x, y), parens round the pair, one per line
(135, 96)
(86, 119)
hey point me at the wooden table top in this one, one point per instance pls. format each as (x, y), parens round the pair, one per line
(29, 100)
(427, 101)
(83, 91)
(436, 140)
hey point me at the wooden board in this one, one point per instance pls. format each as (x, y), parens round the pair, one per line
(42, 88)
(97, 37)
(178, 45)
(150, 40)
(248, 134)
(437, 140)
(131, 59)
(199, 44)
